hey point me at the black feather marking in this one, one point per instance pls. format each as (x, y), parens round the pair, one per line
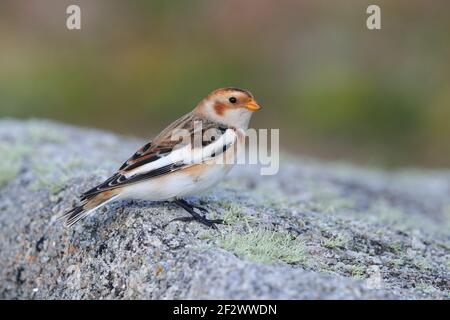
(206, 140)
(145, 148)
(91, 192)
(136, 155)
(125, 164)
(74, 212)
(118, 180)
(163, 150)
(156, 153)
(222, 129)
(155, 173)
(77, 214)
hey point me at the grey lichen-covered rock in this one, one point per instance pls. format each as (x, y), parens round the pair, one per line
(315, 230)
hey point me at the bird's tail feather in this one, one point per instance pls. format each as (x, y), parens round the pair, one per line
(86, 207)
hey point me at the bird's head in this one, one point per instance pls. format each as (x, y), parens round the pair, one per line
(229, 106)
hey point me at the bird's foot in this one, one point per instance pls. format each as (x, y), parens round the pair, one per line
(207, 222)
(195, 216)
(202, 209)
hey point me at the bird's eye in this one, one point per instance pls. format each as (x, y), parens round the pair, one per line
(233, 100)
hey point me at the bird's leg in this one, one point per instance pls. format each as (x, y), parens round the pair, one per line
(195, 216)
(196, 206)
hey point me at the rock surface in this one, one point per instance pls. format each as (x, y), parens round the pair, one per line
(315, 230)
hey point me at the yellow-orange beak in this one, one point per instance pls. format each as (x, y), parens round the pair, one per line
(252, 105)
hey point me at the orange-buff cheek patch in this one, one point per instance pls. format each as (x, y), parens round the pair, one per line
(219, 108)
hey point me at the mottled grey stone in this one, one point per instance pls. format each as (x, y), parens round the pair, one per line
(360, 233)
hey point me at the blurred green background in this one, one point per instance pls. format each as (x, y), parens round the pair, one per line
(334, 88)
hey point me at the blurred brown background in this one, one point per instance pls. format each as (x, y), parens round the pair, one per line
(334, 88)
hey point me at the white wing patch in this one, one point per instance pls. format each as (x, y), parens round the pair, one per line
(187, 155)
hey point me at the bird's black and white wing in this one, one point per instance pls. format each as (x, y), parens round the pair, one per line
(165, 155)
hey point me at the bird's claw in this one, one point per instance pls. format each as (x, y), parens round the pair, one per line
(212, 223)
(202, 209)
(196, 216)
(206, 222)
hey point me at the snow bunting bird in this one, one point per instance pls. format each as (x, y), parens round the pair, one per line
(163, 170)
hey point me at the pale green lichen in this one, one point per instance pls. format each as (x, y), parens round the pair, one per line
(396, 247)
(56, 175)
(75, 163)
(357, 271)
(265, 246)
(234, 214)
(426, 287)
(40, 134)
(397, 262)
(422, 264)
(382, 212)
(335, 205)
(354, 270)
(12, 156)
(326, 199)
(325, 268)
(271, 196)
(205, 235)
(386, 213)
(339, 241)
(52, 178)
